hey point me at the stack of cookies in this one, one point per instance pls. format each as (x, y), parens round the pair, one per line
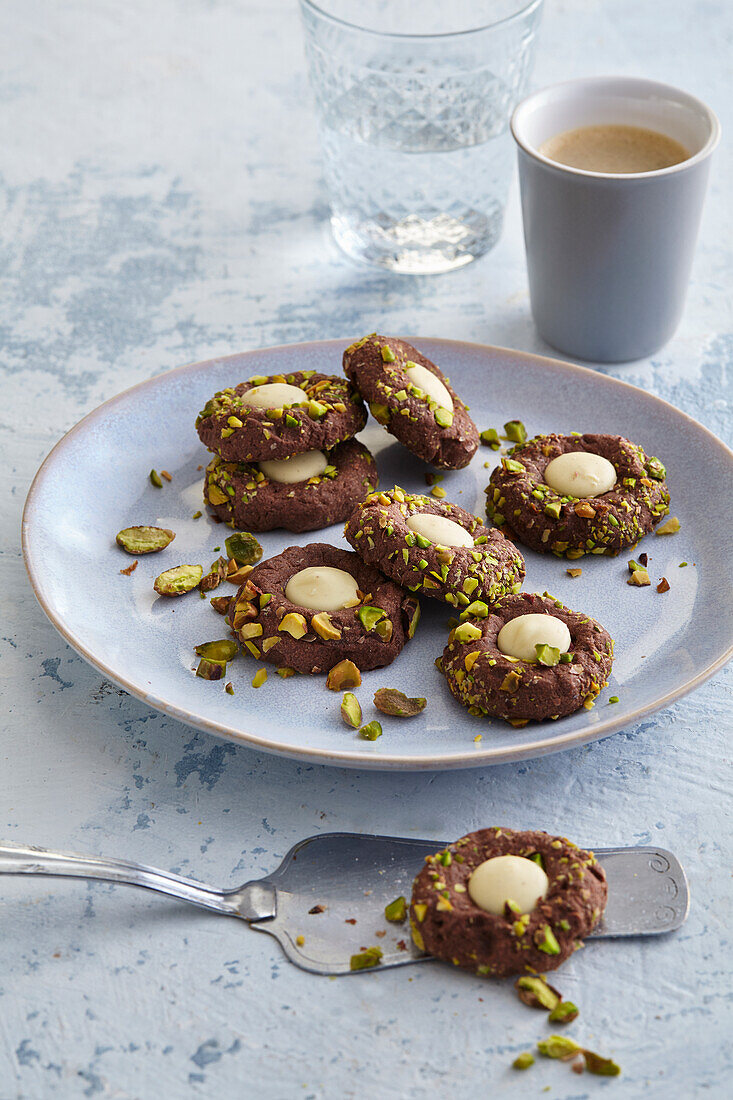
(284, 452)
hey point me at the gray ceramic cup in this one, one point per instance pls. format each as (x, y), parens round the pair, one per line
(609, 256)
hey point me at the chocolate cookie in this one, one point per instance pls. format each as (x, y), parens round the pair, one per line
(371, 631)
(383, 532)
(395, 379)
(448, 923)
(548, 520)
(330, 412)
(246, 498)
(490, 682)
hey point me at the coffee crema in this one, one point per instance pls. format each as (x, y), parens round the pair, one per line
(614, 149)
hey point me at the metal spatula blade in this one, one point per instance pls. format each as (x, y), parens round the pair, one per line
(326, 900)
(353, 877)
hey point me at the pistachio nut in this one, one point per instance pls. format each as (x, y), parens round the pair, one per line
(343, 675)
(324, 626)
(220, 651)
(144, 540)
(244, 548)
(220, 604)
(536, 993)
(523, 1060)
(564, 1013)
(516, 431)
(351, 710)
(210, 670)
(294, 624)
(365, 959)
(396, 911)
(396, 703)
(558, 1046)
(369, 616)
(178, 580)
(155, 479)
(371, 731)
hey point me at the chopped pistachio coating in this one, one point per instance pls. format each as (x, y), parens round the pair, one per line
(371, 731)
(178, 580)
(244, 548)
(294, 624)
(220, 604)
(144, 540)
(443, 418)
(548, 655)
(396, 703)
(365, 959)
(343, 675)
(210, 670)
(516, 431)
(351, 710)
(221, 651)
(323, 625)
(640, 578)
(669, 527)
(536, 993)
(523, 1060)
(558, 1046)
(155, 479)
(564, 1013)
(547, 941)
(396, 911)
(370, 616)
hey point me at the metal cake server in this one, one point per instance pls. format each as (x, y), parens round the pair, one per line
(326, 900)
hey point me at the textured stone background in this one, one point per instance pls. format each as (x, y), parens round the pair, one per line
(161, 203)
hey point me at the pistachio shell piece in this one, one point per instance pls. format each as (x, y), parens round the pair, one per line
(210, 670)
(536, 993)
(244, 548)
(396, 703)
(365, 959)
(222, 651)
(351, 710)
(144, 540)
(343, 675)
(178, 580)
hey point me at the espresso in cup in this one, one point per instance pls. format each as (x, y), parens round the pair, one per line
(614, 149)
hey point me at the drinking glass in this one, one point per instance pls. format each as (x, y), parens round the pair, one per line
(413, 101)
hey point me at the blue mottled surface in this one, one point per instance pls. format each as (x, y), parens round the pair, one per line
(161, 203)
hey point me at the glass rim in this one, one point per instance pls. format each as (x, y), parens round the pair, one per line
(318, 10)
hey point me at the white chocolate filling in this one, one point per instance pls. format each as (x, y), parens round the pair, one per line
(430, 384)
(519, 636)
(275, 395)
(507, 878)
(322, 588)
(439, 529)
(580, 474)
(298, 468)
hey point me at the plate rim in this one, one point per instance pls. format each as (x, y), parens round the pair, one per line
(470, 758)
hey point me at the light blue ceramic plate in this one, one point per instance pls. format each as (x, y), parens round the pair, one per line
(95, 482)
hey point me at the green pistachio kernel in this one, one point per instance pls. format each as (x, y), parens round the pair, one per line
(548, 942)
(516, 431)
(144, 540)
(512, 467)
(210, 670)
(566, 658)
(553, 509)
(388, 356)
(669, 527)
(291, 421)
(613, 699)
(602, 1067)
(564, 1013)
(365, 959)
(443, 418)
(478, 609)
(179, 579)
(379, 412)
(535, 992)
(370, 616)
(396, 911)
(467, 632)
(259, 677)
(351, 710)
(558, 1046)
(548, 655)
(316, 410)
(490, 438)
(371, 731)
(244, 548)
(536, 857)
(155, 479)
(221, 651)
(523, 1060)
